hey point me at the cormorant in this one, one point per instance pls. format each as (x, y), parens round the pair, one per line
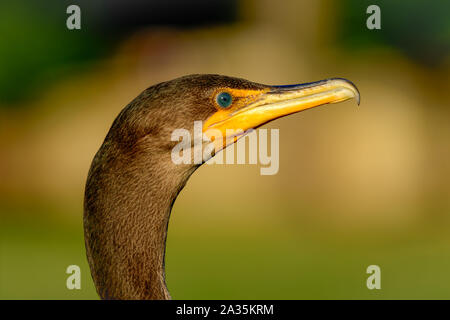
(133, 183)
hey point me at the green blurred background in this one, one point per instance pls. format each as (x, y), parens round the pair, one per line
(356, 186)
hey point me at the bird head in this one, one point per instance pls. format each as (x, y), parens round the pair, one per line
(226, 106)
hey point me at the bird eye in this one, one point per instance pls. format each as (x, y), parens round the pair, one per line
(224, 99)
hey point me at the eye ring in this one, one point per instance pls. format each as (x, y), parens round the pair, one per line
(224, 99)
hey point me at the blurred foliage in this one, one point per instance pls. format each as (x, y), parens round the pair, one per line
(37, 48)
(315, 265)
(419, 29)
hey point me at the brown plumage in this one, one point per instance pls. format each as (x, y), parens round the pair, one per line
(132, 183)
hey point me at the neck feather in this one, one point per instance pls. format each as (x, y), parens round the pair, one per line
(128, 201)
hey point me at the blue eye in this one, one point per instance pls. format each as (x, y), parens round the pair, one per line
(224, 99)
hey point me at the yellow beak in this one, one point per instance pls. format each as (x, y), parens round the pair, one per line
(279, 101)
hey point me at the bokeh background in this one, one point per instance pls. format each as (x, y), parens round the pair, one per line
(357, 185)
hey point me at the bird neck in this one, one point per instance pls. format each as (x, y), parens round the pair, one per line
(128, 202)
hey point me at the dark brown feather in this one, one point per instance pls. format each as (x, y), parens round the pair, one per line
(132, 185)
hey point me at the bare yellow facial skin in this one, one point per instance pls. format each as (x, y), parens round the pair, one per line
(253, 108)
(241, 99)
